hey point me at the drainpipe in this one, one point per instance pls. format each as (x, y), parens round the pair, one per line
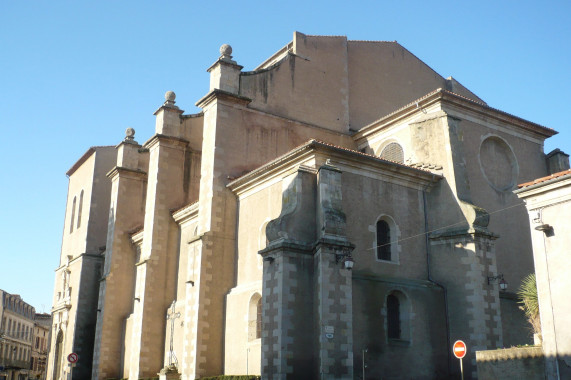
(446, 312)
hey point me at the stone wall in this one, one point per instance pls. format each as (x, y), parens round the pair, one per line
(511, 363)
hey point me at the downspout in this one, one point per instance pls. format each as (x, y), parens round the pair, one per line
(446, 312)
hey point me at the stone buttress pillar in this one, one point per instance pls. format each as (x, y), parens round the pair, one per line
(463, 260)
(216, 249)
(307, 292)
(288, 349)
(332, 282)
(156, 270)
(117, 284)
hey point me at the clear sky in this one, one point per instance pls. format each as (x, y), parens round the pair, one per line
(76, 74)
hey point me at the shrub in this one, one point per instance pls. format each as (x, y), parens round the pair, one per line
(527, 293)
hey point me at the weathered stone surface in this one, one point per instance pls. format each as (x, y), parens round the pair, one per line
(511, 363)
(267, 192)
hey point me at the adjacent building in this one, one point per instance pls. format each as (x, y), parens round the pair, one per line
(16, 335)
(74, 310)
(341, 211)
(548, 201)
(41, 339)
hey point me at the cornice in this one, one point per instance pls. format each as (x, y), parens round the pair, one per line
(61, 306)
(345, 159)
(137, 237)
(174, 109)
(186, 213)
(97, 256)
(128, 172)
(546, 194)
(160, 138)
(225, 62)
(543, 186)
(224, 96)
(406, 282)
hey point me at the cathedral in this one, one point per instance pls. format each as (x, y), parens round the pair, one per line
(340, 212)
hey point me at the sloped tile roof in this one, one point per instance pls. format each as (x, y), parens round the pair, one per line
(545, 179)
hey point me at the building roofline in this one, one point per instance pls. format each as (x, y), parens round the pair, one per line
(555, 177)
(320, 145)
(84, 158)
(441, 94)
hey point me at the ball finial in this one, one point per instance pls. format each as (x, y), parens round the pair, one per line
(129, 135)
(226, 51)
(130, 132)
(170, 96)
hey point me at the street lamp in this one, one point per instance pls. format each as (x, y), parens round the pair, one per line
(502, 283)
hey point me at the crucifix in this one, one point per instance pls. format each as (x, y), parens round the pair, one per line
(172, 315)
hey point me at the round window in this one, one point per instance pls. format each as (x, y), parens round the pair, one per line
(498, 163)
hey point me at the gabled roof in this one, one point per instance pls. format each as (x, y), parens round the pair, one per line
(300, 153)
(443, 95)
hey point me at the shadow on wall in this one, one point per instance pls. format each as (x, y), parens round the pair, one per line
(521, 363)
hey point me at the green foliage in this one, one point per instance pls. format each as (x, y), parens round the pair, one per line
(527, 293)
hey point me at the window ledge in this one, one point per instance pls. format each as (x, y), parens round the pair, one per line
(399, 342)
(388, 262)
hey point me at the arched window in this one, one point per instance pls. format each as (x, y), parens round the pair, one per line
(72, 215)
(393, 152)
(255, 317)
(398, 316)
(386, 239)
(79, 209)
(393, 317)
(383, 241)
(262, 242)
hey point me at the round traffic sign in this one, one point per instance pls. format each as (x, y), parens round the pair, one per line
(459, 349)
(72, 358)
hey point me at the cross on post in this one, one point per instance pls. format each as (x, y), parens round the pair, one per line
(172, 315)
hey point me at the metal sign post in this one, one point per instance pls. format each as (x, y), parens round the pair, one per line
(72, 359)
(459, 350)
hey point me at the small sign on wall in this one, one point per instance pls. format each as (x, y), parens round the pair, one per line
(329, 331)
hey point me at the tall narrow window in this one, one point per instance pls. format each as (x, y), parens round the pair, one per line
(72, 215)
(393, 317)
(259, 319)
(255, 317)
(383, 241)
(79, 209)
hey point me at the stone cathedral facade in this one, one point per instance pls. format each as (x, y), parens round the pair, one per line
(342, 204)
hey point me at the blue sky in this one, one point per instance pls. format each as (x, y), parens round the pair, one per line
(77, 74)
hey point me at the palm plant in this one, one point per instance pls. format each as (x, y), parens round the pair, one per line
(527, 293)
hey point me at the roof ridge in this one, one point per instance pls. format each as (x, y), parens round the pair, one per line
(441, 90)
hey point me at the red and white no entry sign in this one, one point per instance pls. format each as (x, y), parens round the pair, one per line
(72, 358)
(459, 349)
